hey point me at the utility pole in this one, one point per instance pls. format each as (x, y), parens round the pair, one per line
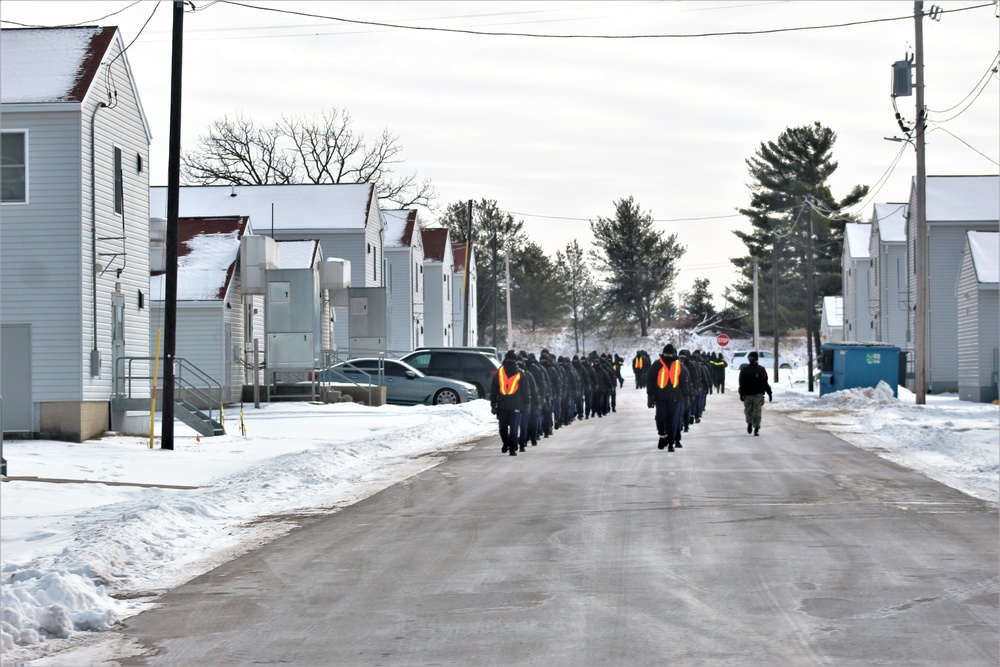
(468, 283)
(920, 242)
(774, 302)
(495, 283)
(510, 329)
(756, 318)
(173, 205)
(809, 299)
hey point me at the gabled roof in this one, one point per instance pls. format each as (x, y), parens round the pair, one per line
(435, 243)
(207, 252)
(985, 250)
(833, 310)
(59, 65)
(458, 252)
(890, 219)
(299, 254)
(313, 207)
(856, 238)
(51, 64)
(963, 198)
(399, 226)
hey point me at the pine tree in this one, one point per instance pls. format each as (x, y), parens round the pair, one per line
(638, 262)
(788, 195)
(535, 298)
(698, 306)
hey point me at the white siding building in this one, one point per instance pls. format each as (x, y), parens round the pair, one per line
(831, 328)
(74, 262)
(404, 259)
(439, 272)
(955, 205)
(213, 316)
(856, 265)
(888, 280)
(344, 218)
(463, 264)
(978, 305)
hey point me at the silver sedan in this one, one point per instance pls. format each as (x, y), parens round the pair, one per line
(404, 384)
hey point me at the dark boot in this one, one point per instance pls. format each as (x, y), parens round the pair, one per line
(749, 428)
(756, 431)
(670, 448)
(662, 443)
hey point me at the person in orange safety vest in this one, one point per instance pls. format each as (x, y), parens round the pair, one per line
(667, 386)
(509, 400)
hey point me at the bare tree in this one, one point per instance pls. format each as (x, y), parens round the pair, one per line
(296, 150)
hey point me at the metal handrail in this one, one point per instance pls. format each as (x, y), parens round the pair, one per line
(181, 383)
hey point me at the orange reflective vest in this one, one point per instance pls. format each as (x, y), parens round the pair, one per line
(638, 362)
(669, 374)
(509, 385)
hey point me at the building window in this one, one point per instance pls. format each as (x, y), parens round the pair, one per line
(119, 182)
(14, 167)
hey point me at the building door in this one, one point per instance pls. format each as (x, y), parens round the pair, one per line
(15, 378)
(118, 342)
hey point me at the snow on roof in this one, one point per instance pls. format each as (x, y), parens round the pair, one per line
(857, 235)
(207, 252)
(963, 198)
(833, 310)
(399, 227)
(40, 65)
(297, 254)
(891, 222)
(985, 249)
(316, 207)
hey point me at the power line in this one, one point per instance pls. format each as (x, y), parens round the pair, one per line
(992, 69)
(557, 217)
(966, 143)
(484, 33)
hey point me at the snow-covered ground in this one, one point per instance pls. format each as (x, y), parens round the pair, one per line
(79, 557)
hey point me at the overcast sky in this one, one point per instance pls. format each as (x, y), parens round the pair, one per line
(557, 129)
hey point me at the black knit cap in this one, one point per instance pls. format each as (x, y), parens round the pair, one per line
(669, 349)
(510, 356)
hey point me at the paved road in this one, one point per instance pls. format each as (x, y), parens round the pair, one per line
(595, 548)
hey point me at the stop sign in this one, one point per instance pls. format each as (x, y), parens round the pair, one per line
(722, 340)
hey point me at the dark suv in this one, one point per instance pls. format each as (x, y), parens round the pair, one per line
(458, 363)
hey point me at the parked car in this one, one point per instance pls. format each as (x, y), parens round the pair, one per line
(404, 384)
(459, 363)
(766, 359)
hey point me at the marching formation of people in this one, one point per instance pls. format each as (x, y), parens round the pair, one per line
(534, 396)
(677, 387)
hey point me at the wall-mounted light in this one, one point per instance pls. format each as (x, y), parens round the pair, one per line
(138, 163)
(142, 300)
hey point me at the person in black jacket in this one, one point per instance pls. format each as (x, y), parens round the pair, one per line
(753, 386)
(509, 400)
(667, 387)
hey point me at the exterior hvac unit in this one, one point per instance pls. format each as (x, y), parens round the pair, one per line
(292, 319)
(157, 245)
(258, 254)
(335, 276)
(366, 321)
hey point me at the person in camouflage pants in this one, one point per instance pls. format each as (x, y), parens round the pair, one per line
(753, 386)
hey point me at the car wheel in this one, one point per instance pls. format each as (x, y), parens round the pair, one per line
(786, 366)
(447, 397)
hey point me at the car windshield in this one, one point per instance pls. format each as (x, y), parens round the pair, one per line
(371, 366)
